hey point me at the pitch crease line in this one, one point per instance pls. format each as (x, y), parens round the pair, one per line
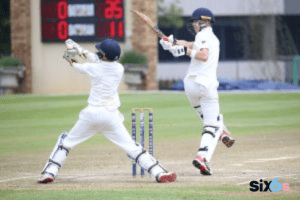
(14, 179)
(264, 160)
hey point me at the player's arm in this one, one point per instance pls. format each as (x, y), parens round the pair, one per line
(183, 47)
(184, 43)
(201, 55)
(180, 50)
(83, 53)
(69, 55)
(86, 68)
(170, 41)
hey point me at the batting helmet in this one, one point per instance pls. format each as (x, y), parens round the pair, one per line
(110, 49)
(200, 14)
(203, 13)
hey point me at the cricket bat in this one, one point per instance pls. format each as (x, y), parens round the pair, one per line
(153, 27)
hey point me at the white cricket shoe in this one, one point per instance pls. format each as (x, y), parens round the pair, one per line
(200, 163)
(166, 177)
(46, 178)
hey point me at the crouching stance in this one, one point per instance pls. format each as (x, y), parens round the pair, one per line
(102, 114)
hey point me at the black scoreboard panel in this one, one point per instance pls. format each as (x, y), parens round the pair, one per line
(82, 20)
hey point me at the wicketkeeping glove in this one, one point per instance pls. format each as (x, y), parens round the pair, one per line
(69, 55)
(178, 50)
(73, 45)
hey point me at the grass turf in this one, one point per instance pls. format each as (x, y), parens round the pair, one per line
(190, 193)
(25, 120)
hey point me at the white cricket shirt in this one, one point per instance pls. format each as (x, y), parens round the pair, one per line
(105, 79)
(205, 73)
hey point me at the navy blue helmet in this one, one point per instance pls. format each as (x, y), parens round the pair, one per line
(203, 13)
(200, 14)
(110, 49)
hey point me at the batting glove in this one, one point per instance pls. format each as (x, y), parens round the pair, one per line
(166, 45)
(178, 50)
(171, 39)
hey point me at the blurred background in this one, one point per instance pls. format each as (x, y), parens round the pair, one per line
(259, 43)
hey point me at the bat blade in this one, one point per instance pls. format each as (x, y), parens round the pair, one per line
(150, 24)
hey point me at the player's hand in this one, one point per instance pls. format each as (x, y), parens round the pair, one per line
(73, 45)
(178, 50)
(69, 55)
(170, 39)
(166, 45)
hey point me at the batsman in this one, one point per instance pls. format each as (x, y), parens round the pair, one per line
(101, 114)
(200, 83)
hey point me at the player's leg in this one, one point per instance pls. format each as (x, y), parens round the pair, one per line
(226, 136)
(66, 141)
(55, 161)
(193, 92)
(208, 110)
(211, 133)
(120, 136)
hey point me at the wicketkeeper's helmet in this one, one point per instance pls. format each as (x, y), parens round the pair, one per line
(110, 48)
(200, 14)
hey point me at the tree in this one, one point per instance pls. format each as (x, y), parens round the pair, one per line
(169, 16)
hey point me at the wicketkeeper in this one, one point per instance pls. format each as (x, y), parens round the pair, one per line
(200, 83)
(102, 114)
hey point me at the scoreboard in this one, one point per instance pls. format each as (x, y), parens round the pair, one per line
(82, 20)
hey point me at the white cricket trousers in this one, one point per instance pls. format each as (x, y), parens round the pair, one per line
(207, 99)
(98, 119)
(206, 102)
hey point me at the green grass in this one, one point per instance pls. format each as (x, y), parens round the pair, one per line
(188, 193)
(26, 120)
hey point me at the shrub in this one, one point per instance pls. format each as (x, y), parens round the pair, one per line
(134, 57)
(9, 61)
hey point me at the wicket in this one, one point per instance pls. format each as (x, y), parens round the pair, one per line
(142, 132)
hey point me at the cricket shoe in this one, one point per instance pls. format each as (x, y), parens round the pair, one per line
(201, 164)
(46, 178)
(166, 177)
(226, 138)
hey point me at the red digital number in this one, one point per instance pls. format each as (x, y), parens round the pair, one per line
(62, 26)
(62, 30)
(116, 27)
(62, 10)
(121, 30)
(113, 9)
(112, 29)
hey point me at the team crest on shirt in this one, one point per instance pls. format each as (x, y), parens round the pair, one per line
(203, 42)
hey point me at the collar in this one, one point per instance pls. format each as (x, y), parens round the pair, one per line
(206, 28)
